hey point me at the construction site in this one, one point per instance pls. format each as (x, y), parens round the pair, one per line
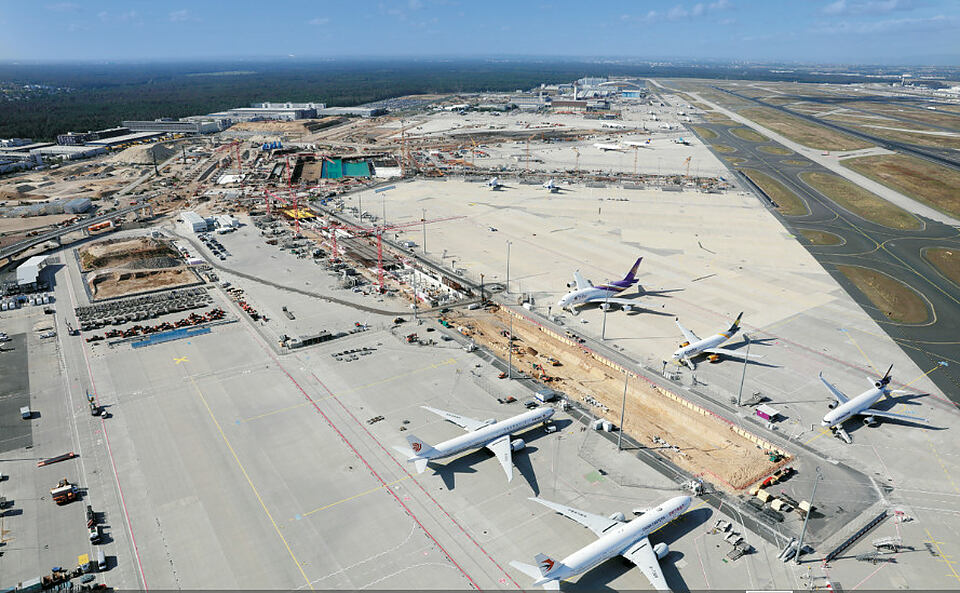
(378, 265)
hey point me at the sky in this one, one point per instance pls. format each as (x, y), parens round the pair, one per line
(819, 31)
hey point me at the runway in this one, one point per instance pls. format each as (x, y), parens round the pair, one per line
(867, 244)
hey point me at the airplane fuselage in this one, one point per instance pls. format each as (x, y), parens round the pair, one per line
(620, 538)
(691, 350)
(852, 407)
(480, 437)
(583, 296)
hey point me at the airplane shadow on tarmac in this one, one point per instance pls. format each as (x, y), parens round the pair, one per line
(521, 459)
(598, 579)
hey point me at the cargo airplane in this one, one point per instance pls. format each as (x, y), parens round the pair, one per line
(694, 346)
(491, 434)
(617, 537)
(585, 292)
(861, 405)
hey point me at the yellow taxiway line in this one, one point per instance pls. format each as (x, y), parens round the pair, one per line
(354, 497)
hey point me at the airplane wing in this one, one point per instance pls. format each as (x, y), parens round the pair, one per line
(643, 556)
(728, 352)
(689, 335)
(468, 424)
(881, 413)
(580, 281)
(595, 523)
(501, 448)
(620, 301)
(836, 392)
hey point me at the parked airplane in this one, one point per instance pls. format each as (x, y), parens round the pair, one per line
(617, 537)
(585, 292)
(606, 147)
(694, 346)
(846, 408)
(552, 186)
(681, 141)
(491, 434)
(639, 144)
(612, 125)
(494, 183)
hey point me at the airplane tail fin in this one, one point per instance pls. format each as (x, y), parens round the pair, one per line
(535, 573)
(736, 323)
(419, 447)
(632, 274)
(420, 464)
(545, 564)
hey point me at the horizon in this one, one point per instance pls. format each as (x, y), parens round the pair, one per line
(821, 32)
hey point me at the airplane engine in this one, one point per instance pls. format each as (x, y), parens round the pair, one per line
(628, 308)
(517, 445)
(489, 421)
(684, 344)
(605, 307)
(713, 357)
(832, 405)
(618, 517)
(661, 550)
(869, 421)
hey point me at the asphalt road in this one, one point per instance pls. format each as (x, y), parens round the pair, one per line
(866, 244)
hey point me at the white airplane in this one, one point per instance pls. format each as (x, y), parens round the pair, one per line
(494, 183)
(694, 346)
(612, 125)
(681, 141)
(552, 186)
(846, 408)
(491, 434)
(606, 147)
(639, 144)
(617, 537)
(585, 292)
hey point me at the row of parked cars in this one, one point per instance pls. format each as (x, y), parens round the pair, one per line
(214, 246)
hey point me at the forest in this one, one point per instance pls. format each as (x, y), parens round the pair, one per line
(105, 94)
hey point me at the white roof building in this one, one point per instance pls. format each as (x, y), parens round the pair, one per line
(29, 271)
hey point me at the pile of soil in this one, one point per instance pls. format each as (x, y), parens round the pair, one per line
(133, 254)
(113, 283)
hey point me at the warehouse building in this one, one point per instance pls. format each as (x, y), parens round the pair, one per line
(124, 139)
(28, 273)
(193, 222)
(202, 125)
(68, 153)
(79, 138)
(358, 111)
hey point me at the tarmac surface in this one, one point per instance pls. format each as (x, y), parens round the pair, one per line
(896, 253)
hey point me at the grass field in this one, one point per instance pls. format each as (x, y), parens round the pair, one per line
(718, 118)
(911, 137)
(803, 132)
(864, 204)
(705, 133)
(821, 237)
(775, 150)
(945, 259)
(929, 183)
(735, 160)
(897, 301)
(796, 163)
(939, 117)
(788, 203)
(748, 135)
(723, 148)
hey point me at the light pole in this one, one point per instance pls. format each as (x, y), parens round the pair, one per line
(623, 411)
(744, 374)
(423, 219)
(509, 243)
(603, 327)
(809, 512)
(510, 347)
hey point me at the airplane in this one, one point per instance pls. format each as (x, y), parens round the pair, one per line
(607, 147)
(491, 434)
(617, 537)
(612, 125)
(552, 186)
(494, 183)
(585, 292)
(694, 346)
(846, 408)
(639, 144)
(681, 141)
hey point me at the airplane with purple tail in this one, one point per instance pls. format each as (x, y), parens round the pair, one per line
(585, 292)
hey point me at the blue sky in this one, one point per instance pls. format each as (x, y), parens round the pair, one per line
(836, 31)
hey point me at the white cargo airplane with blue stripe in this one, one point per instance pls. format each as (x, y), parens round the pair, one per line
(861, 405)
(617, 537)
(491, 434)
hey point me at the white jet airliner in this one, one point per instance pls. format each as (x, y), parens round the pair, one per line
(491, 434)
(585, 292)
(605, 147)
(617, 537)
(694, 346)
(638, 143)
(846, 407)
(494, 183)
(552, 186)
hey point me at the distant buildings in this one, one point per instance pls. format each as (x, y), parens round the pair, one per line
(200, 125)
(193, 222)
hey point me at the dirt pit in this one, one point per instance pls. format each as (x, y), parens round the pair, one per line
(136, 254)
(107, 284)
(700, 444)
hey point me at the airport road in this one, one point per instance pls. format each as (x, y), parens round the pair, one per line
(867, 244)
